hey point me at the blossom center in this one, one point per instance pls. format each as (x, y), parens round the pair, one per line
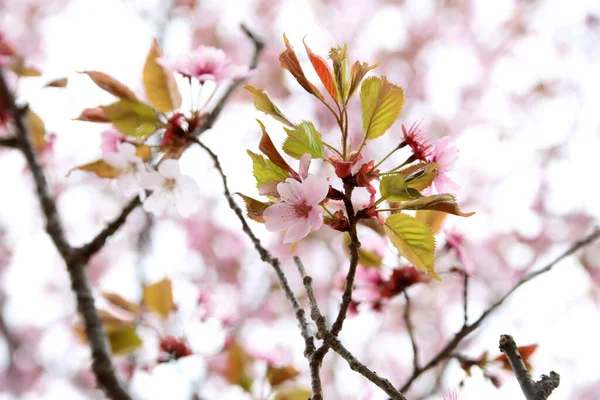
(170, 184)
(301, 210)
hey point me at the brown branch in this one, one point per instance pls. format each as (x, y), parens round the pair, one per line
(411, 332)
(11, 142)
(85, 252)
(265, 255)
(532, 390)
(467, 329)
(101, 361)
(218, 108)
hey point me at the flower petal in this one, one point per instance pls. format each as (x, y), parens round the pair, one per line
(169, 169)
(290, 190)
(304, 165)
(279, 217)
(315, 217)
(297, 231)
(314, 190)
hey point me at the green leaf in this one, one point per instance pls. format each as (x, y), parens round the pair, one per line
(293, 394)
(160, 85)
(381, 104)
(132, 118)
(262, 102)
(304, 138)
(366, 258)
(339, 57)
(265, 170)
(444, 202)
(124, 341)
(158, 297)
(254, 208)
(421, 175)
(414, 240)
(395, 188)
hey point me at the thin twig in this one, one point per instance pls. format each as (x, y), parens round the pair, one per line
(465, 298)
(411, 332)
(101, 361)
(467, 329)
(85, 252)
(532, 390)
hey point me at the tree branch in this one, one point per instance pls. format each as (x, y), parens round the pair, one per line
(411, 332)
(532, 390)
(11, 142)
(102, 364)
(467, 329)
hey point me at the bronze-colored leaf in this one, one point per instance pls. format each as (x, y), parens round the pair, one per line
(159, 83)
(111, 85)
(158, 298)
(290, 62)
(269, 149)
(254, 208)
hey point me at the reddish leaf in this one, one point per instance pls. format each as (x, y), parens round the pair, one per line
(58, 83)
(278, 375)
(525, 351)
(95, 114)
(269, 150)
(111, 85)
(358, 72)
(324, 72)
(254, 208)
(290, 62)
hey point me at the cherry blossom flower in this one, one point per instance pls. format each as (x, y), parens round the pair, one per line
(445, 155)
(419, 144)
(299, 209)
(132, 169)
(110, 141)
(206, 63)
(173, 194)
(452, 395)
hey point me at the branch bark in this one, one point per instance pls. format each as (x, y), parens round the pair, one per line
(532, 390)
(467, 329)
(102, 366)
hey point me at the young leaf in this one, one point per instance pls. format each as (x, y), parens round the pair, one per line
(420, 176)
(159, 83)
(254, 208)
(118, 301)
(290, 62)
(358, 72)
(304, 138)
(236, 365)
(444, 202)
(434, 219)
(124, 341)
(58, 83)
(100, 168)
(381, 104)
(278, 375)
(269, 149)
(340, 72)
(366, 258)
(158, 297)
(323, 71)
(293, 394)
(395, 188)
(95, 114)
(262, 102)
(18, 67)
(265, 170)
(37, 129)
(111, 85)
(414, 240)
(132, 118)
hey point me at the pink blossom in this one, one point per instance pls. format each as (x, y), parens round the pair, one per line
(132, 169)
(110, 141)
(445, 155)
(419, 144)
(452, 395)
(206, 63)
(299, 209)
(173, 194)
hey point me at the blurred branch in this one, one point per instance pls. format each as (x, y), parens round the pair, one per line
(12, 143)
(468, 328)
(212, 117)
(411, 332)
(102, 364)
(532, 390)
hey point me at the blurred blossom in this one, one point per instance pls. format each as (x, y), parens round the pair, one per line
(132, 168)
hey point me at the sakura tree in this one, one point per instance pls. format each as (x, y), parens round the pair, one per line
(237, 219)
